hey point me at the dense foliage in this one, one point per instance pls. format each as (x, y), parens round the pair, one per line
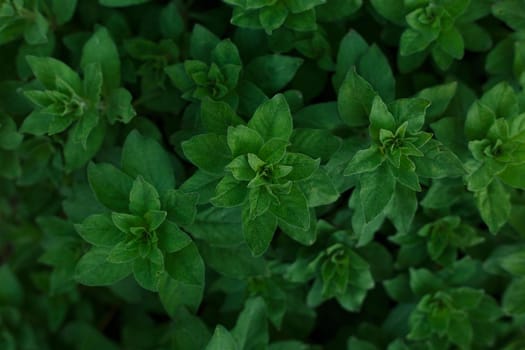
(262, 174)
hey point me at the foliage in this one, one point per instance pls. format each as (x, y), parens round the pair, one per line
(262, 174)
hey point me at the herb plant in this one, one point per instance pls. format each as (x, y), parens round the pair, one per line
(262, 174)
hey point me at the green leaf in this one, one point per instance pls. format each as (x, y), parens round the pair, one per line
(100, 231)
(119, 106)
(292, 208)
(315, 143)
(511, 12)
(218, 116)
(380, 118)
(273, 150)
(494, 205)
(251, 329)
(513, 176)
(36, 29)
(241, 169)
(424, 282)
(64, 10)
(355, 99)
(319, 189)
(272, 72)
(84, 127)
(460, 331)
(172, 238)
(393, 10)
(410, 110)
(37, 123)
(273, 119)
(75, 154)
(304, 236)
(93, 269)
(234, 262)
(143, 197)
(147, 274)
(209, 152)
(373, 67)
(438, 162)
(181, 206)
(101, 49)
(403, 208)
(110, 186)
(226, 53)
(302, 166)
(273, 17)
(452, 43)
(12, 292)
(171, 21)
(124, 252)
(259, 200)
(351, 49)
(202, 43)
(218, 227)
(222, 339)
(514, 297)
(243, 140)
(413, 41)
(439, 97)
(154, 218)
(47, 69)
(364, 161)
(258, 232)
(229, 193)
(356, 344)
(376, 191)
(479, 119)
(183, 284)
(143, 156)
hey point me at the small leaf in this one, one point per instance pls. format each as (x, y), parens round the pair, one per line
(110, 185)
(145, 157)
(229, 193)
(293, 208)
(243, 140)
(494, 205)
(222, 339)
(181, 206)
(272, 72)
(376, 191)
(380, 118)
(100, 231)
(355, 99)
(364, 161)
(302, 166)
(172, 238)
(143, 197)
(218, 116)
(93, 269)
(47, 69)
(251, 329)
(101, 49)
(147, 274)
(183, 284)
(514, 297)
(273, 119)
(209, 152)
(258, 232)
